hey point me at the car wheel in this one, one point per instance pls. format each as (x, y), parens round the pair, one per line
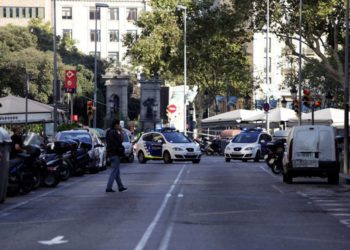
(257, 156)
(287, 178)
(196, 161)
(227, 159)
(141, 157)
(167, 158)
(333, 179)
(131, 158)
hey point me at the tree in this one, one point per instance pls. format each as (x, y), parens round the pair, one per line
(322, 30)
(216, 55)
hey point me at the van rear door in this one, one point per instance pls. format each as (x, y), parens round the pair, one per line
(305, 147)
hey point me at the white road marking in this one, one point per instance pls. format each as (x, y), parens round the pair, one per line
(54, 241)
(340, 215)
(65, 185)
(269, 172)
(180, 195)
(165, 242)
(147, 234)
(336, 209)
(277, 188)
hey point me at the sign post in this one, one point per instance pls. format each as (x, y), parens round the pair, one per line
(70, 88)
(171, 108)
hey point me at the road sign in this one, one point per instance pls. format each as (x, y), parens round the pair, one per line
(171, 108)
(71, 79)
(266, 107)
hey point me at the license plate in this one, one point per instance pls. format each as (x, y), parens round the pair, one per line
(305, 163)
(305, 154)
(191, 153)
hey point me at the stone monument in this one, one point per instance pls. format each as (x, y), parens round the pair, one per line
(150, 102)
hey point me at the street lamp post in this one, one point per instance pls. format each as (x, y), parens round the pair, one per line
(267, 61)
(55, 116)
(300, 61)
(346, 94)
(184, 8)
(97, 6)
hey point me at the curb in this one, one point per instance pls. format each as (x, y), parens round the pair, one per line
(345, 177)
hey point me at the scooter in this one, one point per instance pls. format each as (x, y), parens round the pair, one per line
(274, 156)
(23, 174)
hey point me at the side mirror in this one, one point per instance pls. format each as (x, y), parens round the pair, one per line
(262, 141)
(160, 141)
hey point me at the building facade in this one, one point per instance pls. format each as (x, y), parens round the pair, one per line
(77, 19)
(19, 12)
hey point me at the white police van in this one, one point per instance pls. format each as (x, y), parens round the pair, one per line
(250, 144)
(167, 145)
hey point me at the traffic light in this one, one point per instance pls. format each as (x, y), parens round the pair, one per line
(317, 104)
(306, 98)
(75, 118)
(90, 109)
(295, 106)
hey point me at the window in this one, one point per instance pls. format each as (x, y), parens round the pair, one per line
(11, 12)
(269, 64)
(114, 14)
(269, 44)
(92, 36)
(113, 57)
(92, 13)
(66, 12)
(17, 12)
(131, 14)
(133, 33)
(113, 35)
(4, 12)
(67, 33)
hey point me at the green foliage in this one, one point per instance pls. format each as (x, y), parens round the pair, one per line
(216, 54)
(28, 50)
(323, 31)
(64, 126)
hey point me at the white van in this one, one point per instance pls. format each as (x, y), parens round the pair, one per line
(311, 151)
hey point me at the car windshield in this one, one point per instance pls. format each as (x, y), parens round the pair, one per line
(82, 137)
(33, 139)
(245, 138)
(176, 137)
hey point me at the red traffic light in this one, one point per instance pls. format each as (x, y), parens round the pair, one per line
(306, 92)
(317, 104)
(75, 118)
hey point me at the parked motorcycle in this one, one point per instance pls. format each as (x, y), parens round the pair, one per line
(51, 164)
(24, 172)
(274, 156)
(214, 147)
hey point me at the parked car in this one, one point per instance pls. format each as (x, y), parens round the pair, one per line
(87, 137)
(101, 145)
(127, 143)
(250, 144)
(168, 145)
(311, 151)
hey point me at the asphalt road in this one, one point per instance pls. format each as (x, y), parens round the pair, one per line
(211, 205)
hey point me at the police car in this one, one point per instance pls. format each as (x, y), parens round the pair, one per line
(167, 145)
(249, 144)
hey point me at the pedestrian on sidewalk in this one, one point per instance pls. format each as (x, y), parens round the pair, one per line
(115, 150)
